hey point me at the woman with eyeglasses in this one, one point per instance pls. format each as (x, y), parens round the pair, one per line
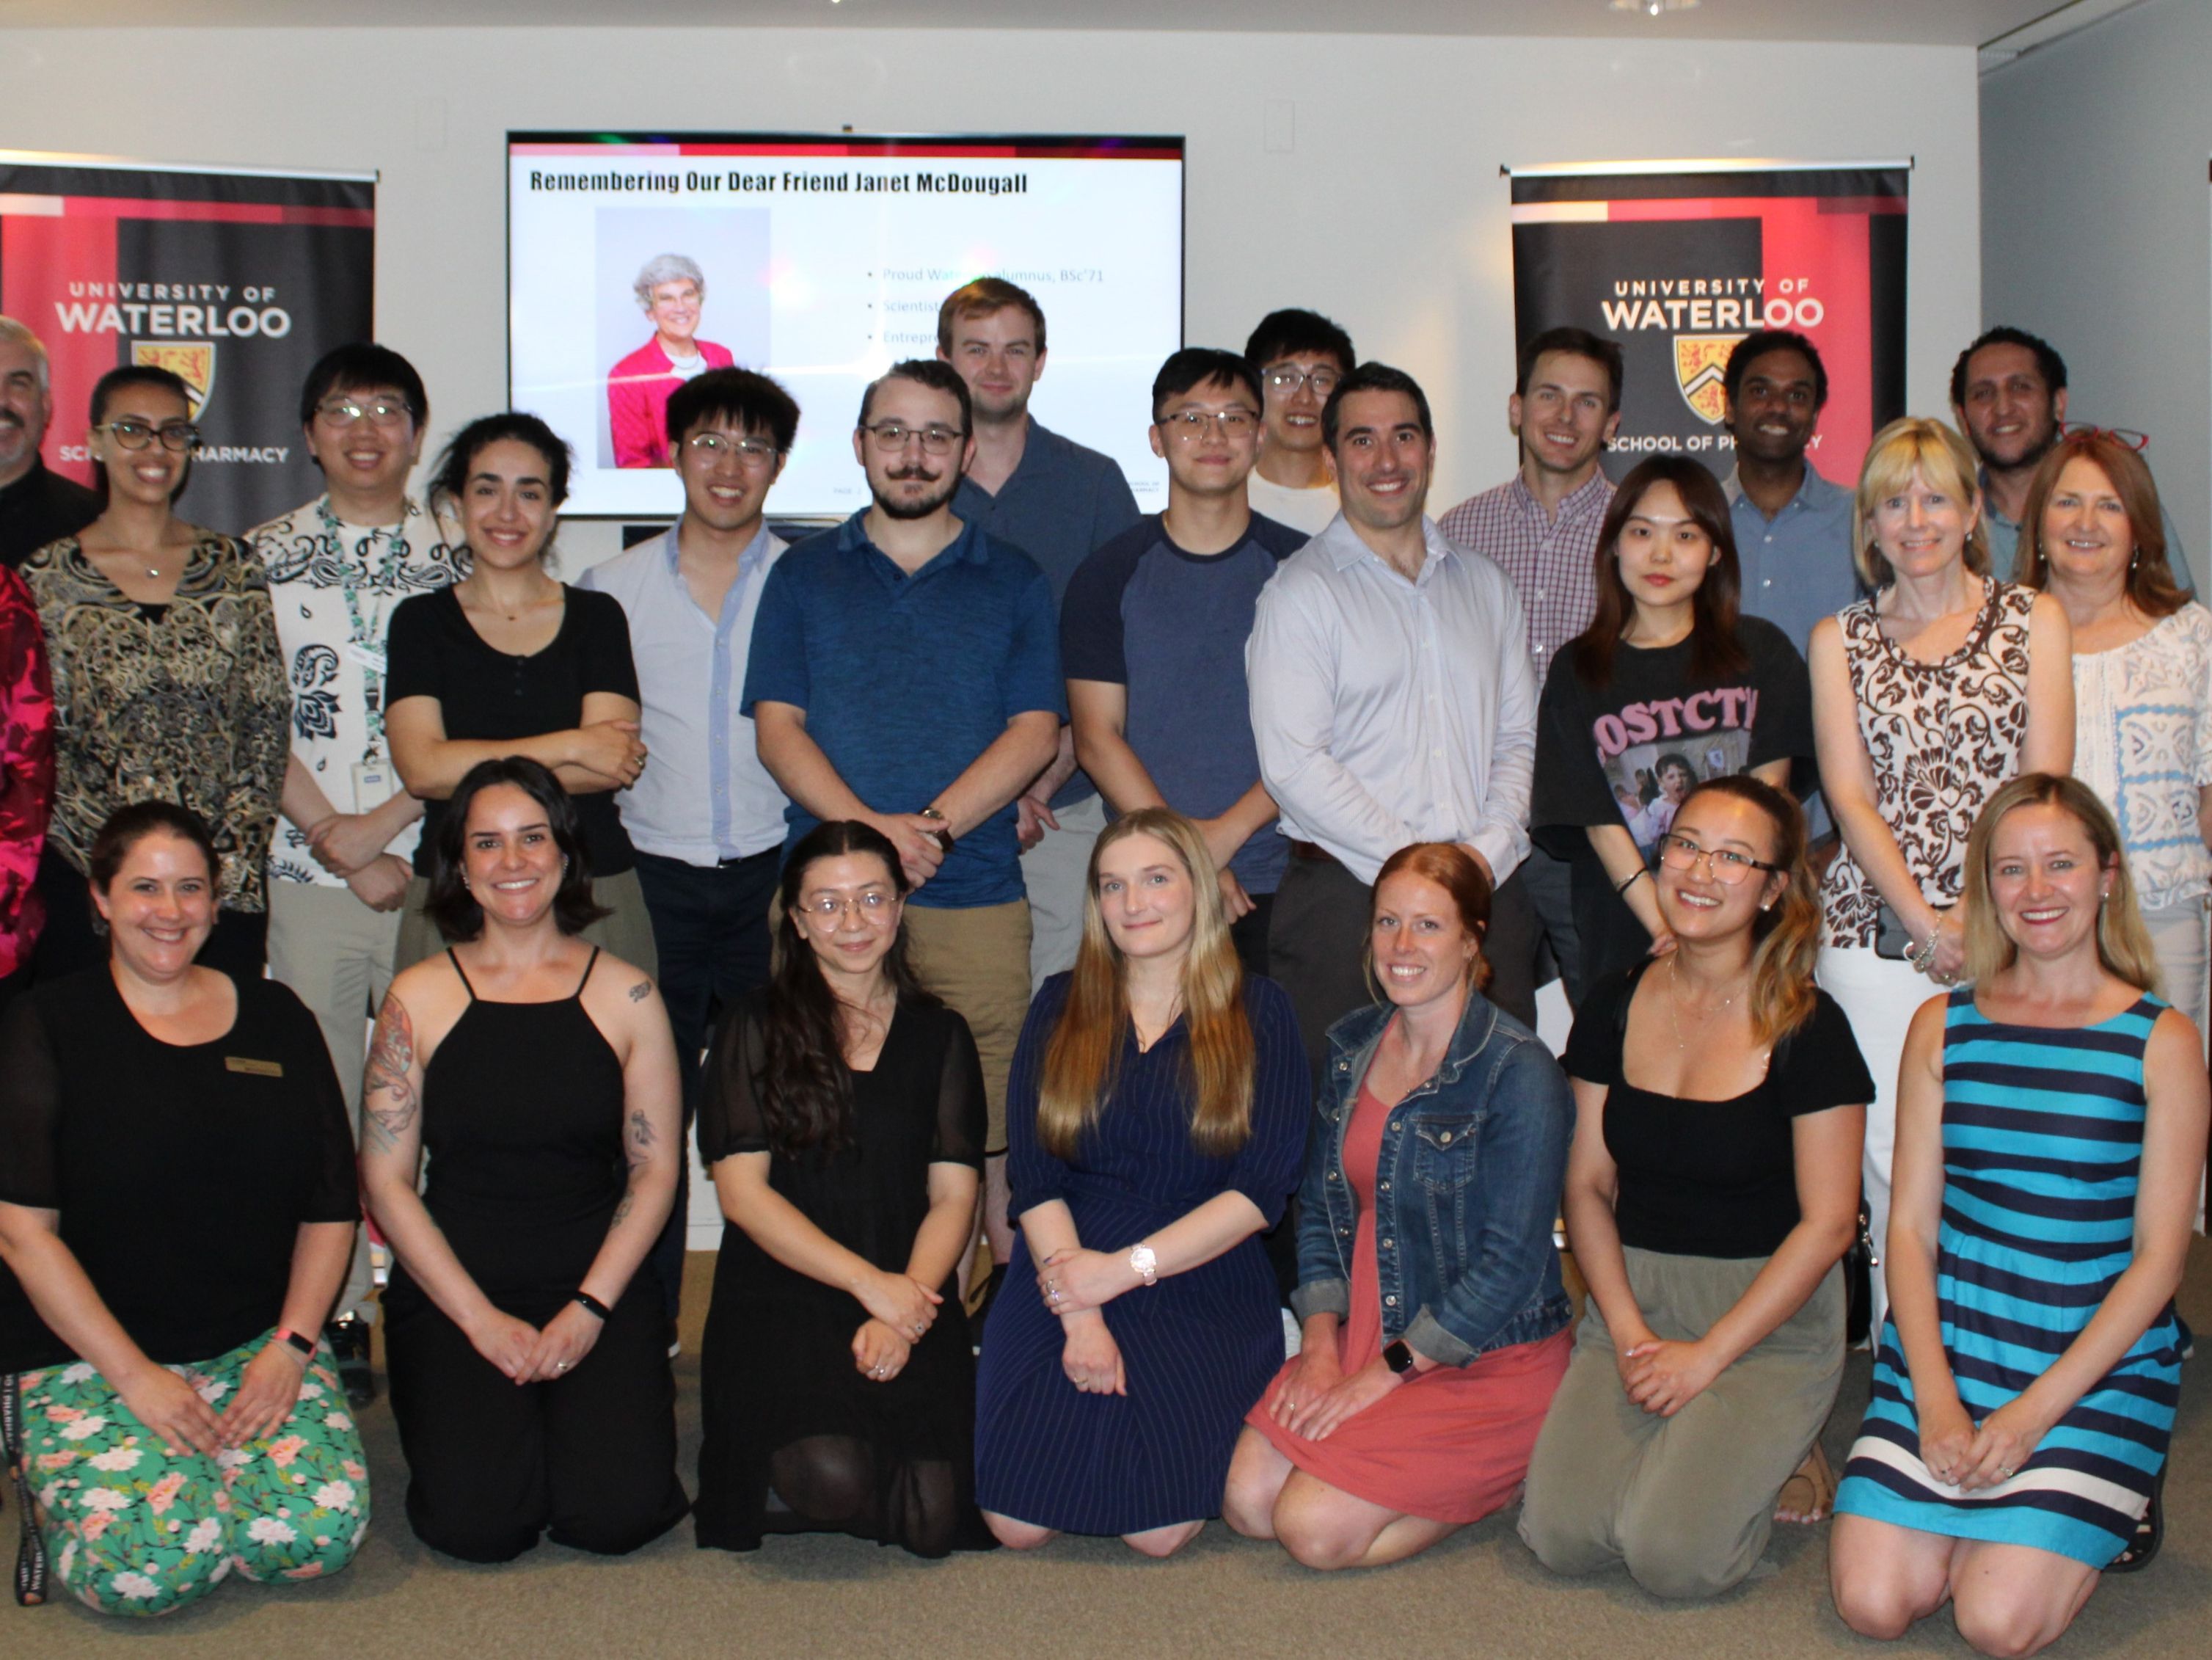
(168, 681)
(1711, 1192)
(843, 1120)
(1668, 663)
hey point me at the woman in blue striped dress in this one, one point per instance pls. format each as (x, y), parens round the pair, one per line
(2051, 1128)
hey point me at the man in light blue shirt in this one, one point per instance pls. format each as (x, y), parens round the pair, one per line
(705, 818)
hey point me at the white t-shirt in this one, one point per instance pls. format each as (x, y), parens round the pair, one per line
(1309, 510)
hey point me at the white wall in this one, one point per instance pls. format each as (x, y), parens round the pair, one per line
(1388, 214)
(2096, 232)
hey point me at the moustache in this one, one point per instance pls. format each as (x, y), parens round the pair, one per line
(917, 470)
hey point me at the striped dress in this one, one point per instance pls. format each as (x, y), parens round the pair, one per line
(2042, 1142)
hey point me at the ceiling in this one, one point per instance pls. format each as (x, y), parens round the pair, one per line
(1932, 22)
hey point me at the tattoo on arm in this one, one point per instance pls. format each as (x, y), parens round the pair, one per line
(388, 1093)
(641, 991)
(640, 1138)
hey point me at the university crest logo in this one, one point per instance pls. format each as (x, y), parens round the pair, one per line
(190, 360)
(1700, 364)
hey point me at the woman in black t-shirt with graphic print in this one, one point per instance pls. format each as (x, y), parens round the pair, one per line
(1668, 683)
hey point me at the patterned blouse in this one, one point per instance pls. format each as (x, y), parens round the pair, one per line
(2142, 740)
(1942, 738)
(185, 701)
(27, 769)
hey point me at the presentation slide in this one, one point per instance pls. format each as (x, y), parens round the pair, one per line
(634, 261)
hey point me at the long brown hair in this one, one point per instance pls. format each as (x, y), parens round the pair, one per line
(2122, 943)
(1785, 940)
(1714, 608)
(2151, 588)
(1084, 1055)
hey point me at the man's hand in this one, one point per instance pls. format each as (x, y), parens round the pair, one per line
(381, 883)
(915, 838)
(345, 842)
(1032, 818)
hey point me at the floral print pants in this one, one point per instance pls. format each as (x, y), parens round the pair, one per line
(129, 1529)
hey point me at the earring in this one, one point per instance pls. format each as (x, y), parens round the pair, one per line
(2135, 559)
(1768, 906)
(464, 884)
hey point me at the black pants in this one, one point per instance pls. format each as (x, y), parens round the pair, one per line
(1249, 934)
(238, 943)
(710, 929)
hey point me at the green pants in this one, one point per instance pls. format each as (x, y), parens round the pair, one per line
(129, 1529)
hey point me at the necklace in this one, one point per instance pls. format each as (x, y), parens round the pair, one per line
(1674, 1003)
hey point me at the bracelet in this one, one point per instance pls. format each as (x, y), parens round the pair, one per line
(591, 1304)
(1920, 960)
(1639, 872)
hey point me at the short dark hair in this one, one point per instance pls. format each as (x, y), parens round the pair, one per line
(127, 826)
(1757, 343)
(1200, 366)
(746, 399)
(120, 379)
(984, 297)
(937, 375)
(1295, 333)
(451, 906)
(1374, 377)
(354, 367)
(2048, 363)
(1578, 342)
(450, 477)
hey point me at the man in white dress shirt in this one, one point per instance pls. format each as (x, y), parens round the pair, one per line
(1393, 702)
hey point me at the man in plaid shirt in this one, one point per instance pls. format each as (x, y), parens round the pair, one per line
(1540, 525)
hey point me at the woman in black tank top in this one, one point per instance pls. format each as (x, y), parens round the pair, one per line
(530, 1375)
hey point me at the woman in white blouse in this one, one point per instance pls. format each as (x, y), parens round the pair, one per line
(2092, 536)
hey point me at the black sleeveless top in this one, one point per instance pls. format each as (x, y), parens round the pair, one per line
(522, 1118)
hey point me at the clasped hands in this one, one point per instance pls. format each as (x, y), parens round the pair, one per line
(527, 1354)
(1076, 1285)
(900, 1310)
(1317, 1396)
(1969, 1456)
(1663, 1376)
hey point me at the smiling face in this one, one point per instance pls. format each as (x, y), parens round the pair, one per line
(2045, 883)
(368, 457)
(1145, 897)
(1383, 460)
(1422, 951)
(1562, 420)
(909, 483)
(1921, 529)
(506, 506)
(1776, 406)
(723, 488)
(25, 409)
(160, 907)
(1292, 415)
(1663, 552)
(1211, 455)
(2011, 415)
(512, 864)
(1697, 903)
(997, 356)
(674, 307)
(2086, 534)
(848, 912)
(150, 477)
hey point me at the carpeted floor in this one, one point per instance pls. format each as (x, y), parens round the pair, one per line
(1480, 1593)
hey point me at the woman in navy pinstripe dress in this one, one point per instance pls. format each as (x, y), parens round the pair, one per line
(1155, 1123)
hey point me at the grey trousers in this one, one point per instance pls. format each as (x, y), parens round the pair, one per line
(1686, 1503)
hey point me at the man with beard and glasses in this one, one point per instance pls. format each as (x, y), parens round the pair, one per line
(1392, 702)
(36, 506)
(905, 673)
(2009, 395)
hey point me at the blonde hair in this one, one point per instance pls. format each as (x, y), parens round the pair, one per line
(2122, 943)
(1083, 1057)
(1900, 449)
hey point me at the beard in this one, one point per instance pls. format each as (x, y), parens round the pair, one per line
(919, 506)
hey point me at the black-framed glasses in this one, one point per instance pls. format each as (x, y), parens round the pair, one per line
(751, 452)
(892, 436)
(1190, 425)
(377, 411)
(178, 435)
(2126, 437)
(1288, 378)
(1726, 866)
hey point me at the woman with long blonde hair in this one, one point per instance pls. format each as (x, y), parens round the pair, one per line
(1155, 1118)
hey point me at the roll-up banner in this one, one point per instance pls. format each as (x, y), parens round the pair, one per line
(1678, 261)
(237, 279)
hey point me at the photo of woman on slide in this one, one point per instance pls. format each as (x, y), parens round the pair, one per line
(671, 290)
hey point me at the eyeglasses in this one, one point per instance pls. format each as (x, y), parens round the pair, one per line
(1323, 381)
(874, 906)
(749, 451)
(377, 412)
(892, 436)
(1730, 868)
(1190, 425)
(2126, 437)
(178, 435)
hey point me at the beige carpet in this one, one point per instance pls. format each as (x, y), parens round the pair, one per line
(1479, 1595)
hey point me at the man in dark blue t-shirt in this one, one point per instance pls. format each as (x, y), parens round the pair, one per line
(1152, 635)
(905, 671)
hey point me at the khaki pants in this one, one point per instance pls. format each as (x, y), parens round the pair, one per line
(625, 932)
(977, 959)
(336, 954)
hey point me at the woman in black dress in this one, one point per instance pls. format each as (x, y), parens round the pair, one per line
(844, 1122)
(529, 1364)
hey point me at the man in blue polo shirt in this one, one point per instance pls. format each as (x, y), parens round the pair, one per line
(1056, 500)
(905, 673)
(1149, 631)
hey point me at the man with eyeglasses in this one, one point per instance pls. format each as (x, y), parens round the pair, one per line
(1540, 526)
(707, 819)
(339, 864)
(1162, 714)
(905, 673)
(1300, 357)
(36, 506)
(1056, 500)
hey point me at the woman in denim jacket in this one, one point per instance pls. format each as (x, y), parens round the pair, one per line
(1435, 1325)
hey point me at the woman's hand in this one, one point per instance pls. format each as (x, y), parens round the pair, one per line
(901, 1302)
(1946, 1435)
(2005, 1441)
(1664, 1377)
(505, 1341)
(1072, 1279)
(879, 1352)
(1347, 1398)
(1091, 1356)
(562, 1346)
(1317, 1373)
(1950, 959)
(611, 748)
(266, 1394)
(173, 1409)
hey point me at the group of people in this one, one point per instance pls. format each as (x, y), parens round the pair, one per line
(1163, 898)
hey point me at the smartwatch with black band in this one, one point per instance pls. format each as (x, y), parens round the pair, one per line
(1399, 1356)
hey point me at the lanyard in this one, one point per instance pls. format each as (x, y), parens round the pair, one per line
(368, 648)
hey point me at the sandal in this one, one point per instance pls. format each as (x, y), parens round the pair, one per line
(1817, 1482)
(2150, 1533)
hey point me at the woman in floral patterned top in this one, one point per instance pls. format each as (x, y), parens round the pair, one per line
(27, 777)
(168, 683)
(1926, 698)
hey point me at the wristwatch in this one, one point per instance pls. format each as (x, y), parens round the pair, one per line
(1399, 1356)
(1145, 1262)
(298, 1343)
(943, 834)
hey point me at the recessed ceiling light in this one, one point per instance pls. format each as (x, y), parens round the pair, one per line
(1653, 7)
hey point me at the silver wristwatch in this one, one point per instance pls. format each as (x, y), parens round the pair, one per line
(1145, 1262)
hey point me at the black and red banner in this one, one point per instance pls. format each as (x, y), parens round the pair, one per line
(238, 281)
(1679, 262)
